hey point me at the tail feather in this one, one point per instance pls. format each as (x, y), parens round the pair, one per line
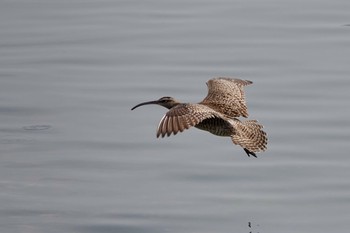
(250, 136)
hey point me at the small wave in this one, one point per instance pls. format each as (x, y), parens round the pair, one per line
(36, 127)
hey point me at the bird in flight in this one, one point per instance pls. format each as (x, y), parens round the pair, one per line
(217, 113)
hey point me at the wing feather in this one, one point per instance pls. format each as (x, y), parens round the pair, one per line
(226, 95)
(164, 126)
(184, 116)
(160, 126)
(170, 126)
(180, 123)
(175, 125)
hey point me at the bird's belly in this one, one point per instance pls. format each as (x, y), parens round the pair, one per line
(216, 126)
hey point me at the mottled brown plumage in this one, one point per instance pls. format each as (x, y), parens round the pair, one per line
(226, 95)
(217, 114)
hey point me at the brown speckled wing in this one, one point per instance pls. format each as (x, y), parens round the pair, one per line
(182, 117)
(226, 95)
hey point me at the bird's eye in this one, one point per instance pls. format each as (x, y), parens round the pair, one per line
(164, 100)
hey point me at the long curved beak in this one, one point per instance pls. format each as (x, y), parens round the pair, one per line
(146, 103)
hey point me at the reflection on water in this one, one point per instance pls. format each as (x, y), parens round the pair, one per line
(74, 158)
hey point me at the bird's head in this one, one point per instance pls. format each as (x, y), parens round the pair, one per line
(166, 101)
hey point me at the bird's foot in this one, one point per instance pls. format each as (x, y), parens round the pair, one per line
(249, 152)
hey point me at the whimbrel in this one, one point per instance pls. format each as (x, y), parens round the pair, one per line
(217, 114)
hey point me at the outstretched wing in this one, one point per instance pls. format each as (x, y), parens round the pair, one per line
(184, 116)
(226, 95)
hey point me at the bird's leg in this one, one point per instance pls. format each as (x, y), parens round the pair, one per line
(249, 152)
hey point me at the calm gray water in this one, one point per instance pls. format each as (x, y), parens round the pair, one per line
(74, 158)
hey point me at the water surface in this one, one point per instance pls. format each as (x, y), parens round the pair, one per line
(74, 158)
